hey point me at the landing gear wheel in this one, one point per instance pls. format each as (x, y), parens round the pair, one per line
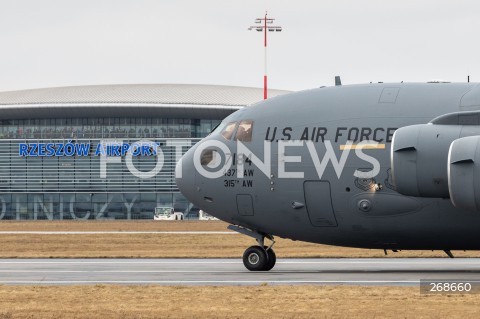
(255, 258)
(272, 259)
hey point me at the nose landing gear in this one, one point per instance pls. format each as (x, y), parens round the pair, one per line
(257, 258)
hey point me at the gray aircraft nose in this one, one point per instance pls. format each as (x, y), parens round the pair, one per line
(202, 190)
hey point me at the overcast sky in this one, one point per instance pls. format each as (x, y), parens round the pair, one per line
(82, 42)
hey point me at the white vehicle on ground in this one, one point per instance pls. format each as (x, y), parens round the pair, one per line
(202, 215)
(167, 213)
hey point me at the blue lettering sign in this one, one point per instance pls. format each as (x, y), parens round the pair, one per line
(83, 149)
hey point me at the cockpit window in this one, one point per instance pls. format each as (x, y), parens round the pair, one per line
(227, 132)
(207, 157)
(210, 158)
(244, 131)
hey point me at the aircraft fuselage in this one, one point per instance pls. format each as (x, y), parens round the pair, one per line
(318, 169)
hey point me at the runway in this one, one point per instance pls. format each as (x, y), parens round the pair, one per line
(401, 271)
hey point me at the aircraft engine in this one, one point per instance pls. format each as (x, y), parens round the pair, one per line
(419, 157)
(464, 173)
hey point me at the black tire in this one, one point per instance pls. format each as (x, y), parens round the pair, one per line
(272, 259)
(255, 258)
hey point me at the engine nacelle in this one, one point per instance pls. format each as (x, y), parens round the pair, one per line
(464, 173)
(419, 157)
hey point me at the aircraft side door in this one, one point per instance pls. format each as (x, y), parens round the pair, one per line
(319, 203)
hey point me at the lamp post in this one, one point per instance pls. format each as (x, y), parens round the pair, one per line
(264, 24)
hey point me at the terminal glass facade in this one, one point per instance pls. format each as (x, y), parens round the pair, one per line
(93, 185)
(105, 128)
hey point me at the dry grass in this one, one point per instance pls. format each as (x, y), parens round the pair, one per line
(107, 301)
(161, 245)
(112, 225)
(174, 246)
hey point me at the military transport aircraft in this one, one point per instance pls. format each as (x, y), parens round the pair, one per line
(390, 166)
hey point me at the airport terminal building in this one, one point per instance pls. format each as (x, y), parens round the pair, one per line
(79, 152)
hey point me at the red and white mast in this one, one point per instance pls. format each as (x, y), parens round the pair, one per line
(265, 28)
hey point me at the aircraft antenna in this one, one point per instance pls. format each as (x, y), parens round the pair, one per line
(338, 81)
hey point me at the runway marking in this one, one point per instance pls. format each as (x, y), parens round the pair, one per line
(468, 261)
(125, 271)
(390, 261)
(53, 282)
(26, 261)
(271, 273)
(117, 232)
